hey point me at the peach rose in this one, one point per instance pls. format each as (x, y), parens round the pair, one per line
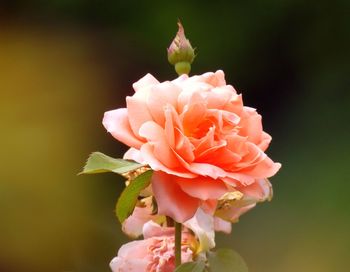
(197, 135)
(154, 253)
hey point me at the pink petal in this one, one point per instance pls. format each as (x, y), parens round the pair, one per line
(192, 117)
(203, 188)
(202, 224)
(137, 110)
(116, 122)
(218, 97)
(237, 212)
(264, 169)
(119, 264)
(209, 206)
(216, 79)
(160, 96)
(127, 250)
(260, 190)
(132, 257)
(222, 225)
(235, 105)
(134, 155)
(233, 178)
(147, 153)
(152, 229)
(251, 126)
(172, 123)
(146, 81)
(184, 148)
(134, 224)
(206, 169)
(265, 141)
(171, 200)
(155, 136)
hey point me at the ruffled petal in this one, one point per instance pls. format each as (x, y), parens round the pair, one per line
(119, 264)
(152, 229)
(159, 97)
(116, 122)
(203, 188)
(258, 191)
(218, 97)
(202, 224)
(222, 225)
(134, 155)
(133, 225)
(138, 111)
(265, 141)
(171, 200)
(146, 81)
(147, 153)
(251, 126)
(264, 169)
(155, 136)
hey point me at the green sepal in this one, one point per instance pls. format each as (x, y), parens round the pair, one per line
(128, 198)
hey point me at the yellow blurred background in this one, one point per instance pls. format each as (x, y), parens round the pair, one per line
(63, 63)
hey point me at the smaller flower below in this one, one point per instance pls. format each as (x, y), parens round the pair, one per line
(142, 213)
(155, 252)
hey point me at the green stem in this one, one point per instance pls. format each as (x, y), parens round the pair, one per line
(178, 231)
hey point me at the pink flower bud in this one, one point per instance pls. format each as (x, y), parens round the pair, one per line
(180, 52)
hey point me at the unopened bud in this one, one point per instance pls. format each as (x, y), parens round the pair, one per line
(180, 52)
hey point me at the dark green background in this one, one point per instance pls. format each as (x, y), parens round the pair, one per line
(63, 63)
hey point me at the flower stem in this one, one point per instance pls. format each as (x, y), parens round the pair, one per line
(178, 231)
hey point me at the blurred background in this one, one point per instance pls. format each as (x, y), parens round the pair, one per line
(64, 63)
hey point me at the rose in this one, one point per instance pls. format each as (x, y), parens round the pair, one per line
(143, 213)
(154, 253)
(202, 225)
(199, 138)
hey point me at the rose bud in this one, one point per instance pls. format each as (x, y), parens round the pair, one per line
(180, 52)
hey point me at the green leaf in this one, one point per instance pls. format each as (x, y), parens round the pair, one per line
(191, 267)
(101, 163)
(226, 260)
(128, 198)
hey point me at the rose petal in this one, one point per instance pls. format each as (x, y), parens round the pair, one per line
(251, 126)
(192, 117)
(265, 169)
(260, 190)
(183, 147)
(216, 79)
(134, 224)
(222, 225)
(119, 264)
(218, 97)
(265, 141)
(155, 136)
(202, 225)
(146, 81)
(202, 187)
(135, 155)
(159, 97)
(147, 153)
(152, 229)
(137, 110)
(171, 200)
(116, 122)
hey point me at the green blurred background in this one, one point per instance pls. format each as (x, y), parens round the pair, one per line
(63, 63)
